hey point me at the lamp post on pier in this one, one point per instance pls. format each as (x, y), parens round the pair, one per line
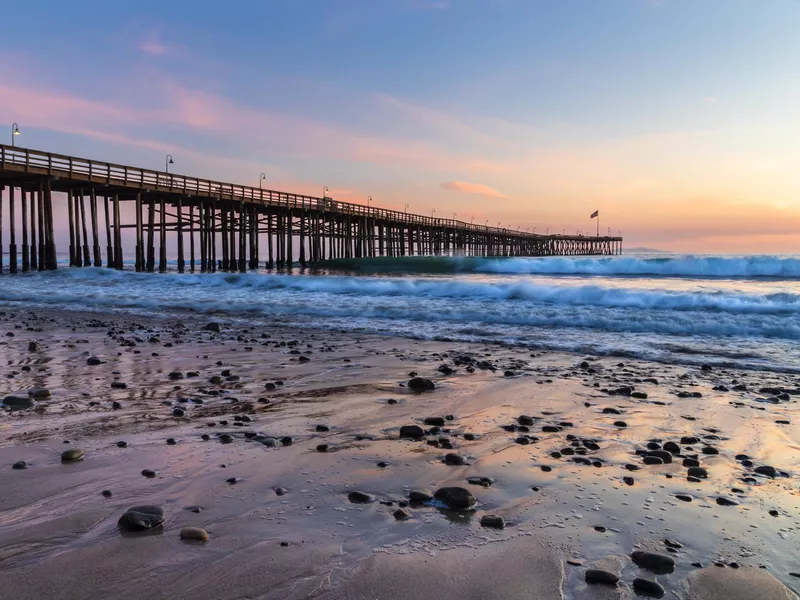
(405, 210)
(369, 201)
(167, 162)
(261, 179)
(325, 192)
(14, 133)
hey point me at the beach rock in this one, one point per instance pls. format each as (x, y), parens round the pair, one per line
(20, 465)
(666, 457)
(420, 384)
(360, 497)
(493, 522)
(598, 576)
(322, 428)
(689, 440)
(412, 431)
(766, 470)
(149, 473)
(525, 420)
(420, 496)
(40, 393)
(672, 448)
(456, 498)
(171, 441)
(33, 347)
(213, 326)
(723, 501)
(93, 361)
(178, 412)
(119, 385)
(647, 587)
(18, 402)
(107, 493)
(72, 455)
(482, 481)
(401, 515)
(194, 534)
(141, 518)
(657, 563)
(454, 459)
(653, 460)
(434, 421)
(698, 472)
(122, 444)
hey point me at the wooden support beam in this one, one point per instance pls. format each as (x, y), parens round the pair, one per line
(26, 264)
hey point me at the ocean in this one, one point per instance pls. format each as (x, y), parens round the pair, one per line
(732, 311)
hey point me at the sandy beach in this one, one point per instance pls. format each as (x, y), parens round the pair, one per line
(285, 446)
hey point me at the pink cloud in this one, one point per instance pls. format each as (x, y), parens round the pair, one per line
(154, 48)
(472, 188)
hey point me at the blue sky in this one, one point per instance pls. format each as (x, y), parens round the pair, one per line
(676, 118)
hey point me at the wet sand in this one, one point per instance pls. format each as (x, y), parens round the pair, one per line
(571, 482)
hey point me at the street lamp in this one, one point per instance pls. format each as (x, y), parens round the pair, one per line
(433, 212)
(471, 220)
(325, 192)
(369, 199)
(262, 179)
(486, 224)
(454, 216)
(14, 133)
(167, 162)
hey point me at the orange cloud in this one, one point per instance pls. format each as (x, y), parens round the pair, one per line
(466, 187)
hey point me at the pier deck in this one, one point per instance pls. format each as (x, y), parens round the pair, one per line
(227, 225)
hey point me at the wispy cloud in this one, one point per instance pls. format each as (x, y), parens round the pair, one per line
(466, 187)
(152, 45)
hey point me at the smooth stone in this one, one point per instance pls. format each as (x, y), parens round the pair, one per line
(456, 498)
(93, 361)
(723, 501)
(360, 497)
(178, 412)
(647, 587)
(601, 577)
(412, 431)
(401, 515)
(658, 563)
(434, 421)
(664, 455)
(420, 384)
(194, 534)
(698, 472)
(107, 493)
(493, 521)
(672, 448)
(72, 455)
(454, 459)
(20, 465)
(40, 393)
(149, 473)
(140, 518)
(215, 327)
(420, 496)
(653, 460)
(18, 402)
(766, 470)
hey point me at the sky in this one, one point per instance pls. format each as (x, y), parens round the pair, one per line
(679, 120)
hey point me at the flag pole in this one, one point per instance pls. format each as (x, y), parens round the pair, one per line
(598, 223)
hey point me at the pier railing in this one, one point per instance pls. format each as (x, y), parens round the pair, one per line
(110, 174)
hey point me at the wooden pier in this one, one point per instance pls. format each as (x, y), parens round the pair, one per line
(226, 226)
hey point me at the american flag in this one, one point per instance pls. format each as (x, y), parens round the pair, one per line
(595, 214)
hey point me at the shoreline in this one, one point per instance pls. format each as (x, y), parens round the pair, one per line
(53, 517)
